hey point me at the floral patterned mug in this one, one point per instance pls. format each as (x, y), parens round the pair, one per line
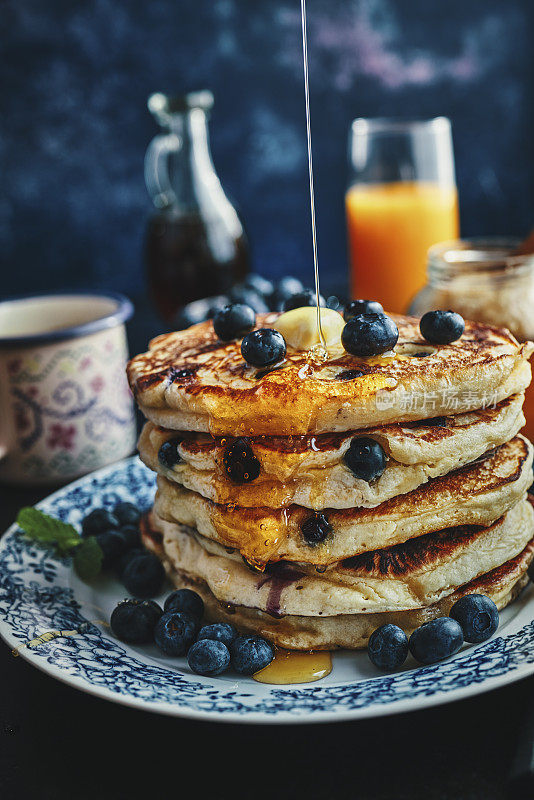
(65, 405)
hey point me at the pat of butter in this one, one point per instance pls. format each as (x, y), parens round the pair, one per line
(299, 327)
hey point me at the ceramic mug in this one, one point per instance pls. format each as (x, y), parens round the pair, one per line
(65, 405)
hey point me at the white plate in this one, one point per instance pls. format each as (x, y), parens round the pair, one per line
(39, 594)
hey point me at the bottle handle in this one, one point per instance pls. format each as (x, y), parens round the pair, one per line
(156, 168)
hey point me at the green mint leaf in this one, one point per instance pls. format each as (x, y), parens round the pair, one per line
(87, 559)
(46, 530)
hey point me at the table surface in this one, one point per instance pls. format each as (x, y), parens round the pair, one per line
(54, 738)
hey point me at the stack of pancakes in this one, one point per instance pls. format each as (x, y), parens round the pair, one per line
(259, 513)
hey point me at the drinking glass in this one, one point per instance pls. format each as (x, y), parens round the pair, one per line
(400, 201)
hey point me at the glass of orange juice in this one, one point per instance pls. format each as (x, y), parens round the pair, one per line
(401, 199)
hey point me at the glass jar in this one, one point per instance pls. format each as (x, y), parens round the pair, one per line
(487, 281)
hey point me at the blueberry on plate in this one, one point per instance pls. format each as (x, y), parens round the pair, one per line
(143, 575)
(127, 514)
(285, 288)
(436, 640)
(250, 654)
(477, 615)
(369, 335)
(239, 461)
(187, 601)
(131, 534)
(233, 321)
(168, 453)
(260, 285)
(263, 348)
(208, 657)
(365, 458)
(113, 544)
(124, 559)
(174, 633)
(356, 307)
(249, 297)
(316, 528)
(441, 327)
(218, 632)
(307, 297)
(98, 521)
(134, 621)
(388, 647)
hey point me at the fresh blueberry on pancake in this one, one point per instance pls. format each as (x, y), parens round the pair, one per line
(143, 576)
(113, 544)
(263, 348)
(477, 615)
(240, 463)
(250, 654)
(174, 633)
(349, 375)
(218, 632)
(441, 327)
(357, 307)
(365, 458)
(133, 621)
(247, 296)
(316, 528)
(233, 321)
(369, 335)
(168, 454)
(208, 657)
(307, 297)
(388, 647)
(285, 288)
(98, 521)
(187, 601)
(127, 513)
(436, 640)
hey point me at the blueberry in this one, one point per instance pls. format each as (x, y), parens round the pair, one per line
(131, 534)
(369, 335)
(307, 297)
(187, 601)
(168, 455)
(191, 314)
(98, 521)
(334, 303)
(218, 632)
(240, 463)
(124, 559)
(316, 528)
(134, 621)
(263, 348)
(113, 544)
(477, 615)
(216, 304)
(174, 633)
(388, 647)
(143, 575)
(249, 297)
(250, 654)
(127, 514)
(436, 640)
(259, 284)
(441, 327)
(285, 288)
(349, 375)
(233, 321)
(208, 657)
(357, 307)
(365, 458)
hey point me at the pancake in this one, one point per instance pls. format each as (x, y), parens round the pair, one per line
(310, 471)
(409, 576)
(351, 631)
(477, 494)
(190, 380)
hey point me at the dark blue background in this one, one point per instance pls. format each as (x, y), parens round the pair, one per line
(74, 128)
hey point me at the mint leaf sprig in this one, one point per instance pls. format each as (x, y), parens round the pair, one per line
(87, 555)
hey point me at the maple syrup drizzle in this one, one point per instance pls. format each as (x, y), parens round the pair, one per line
(291, 666)
(319, 351)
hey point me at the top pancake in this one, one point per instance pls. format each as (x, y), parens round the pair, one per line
(190, 380)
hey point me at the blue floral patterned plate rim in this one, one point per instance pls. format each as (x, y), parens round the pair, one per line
(58, 624)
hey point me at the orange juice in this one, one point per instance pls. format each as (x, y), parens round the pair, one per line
(391, 226)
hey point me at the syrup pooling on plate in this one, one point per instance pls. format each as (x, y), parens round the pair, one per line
(289, 666)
